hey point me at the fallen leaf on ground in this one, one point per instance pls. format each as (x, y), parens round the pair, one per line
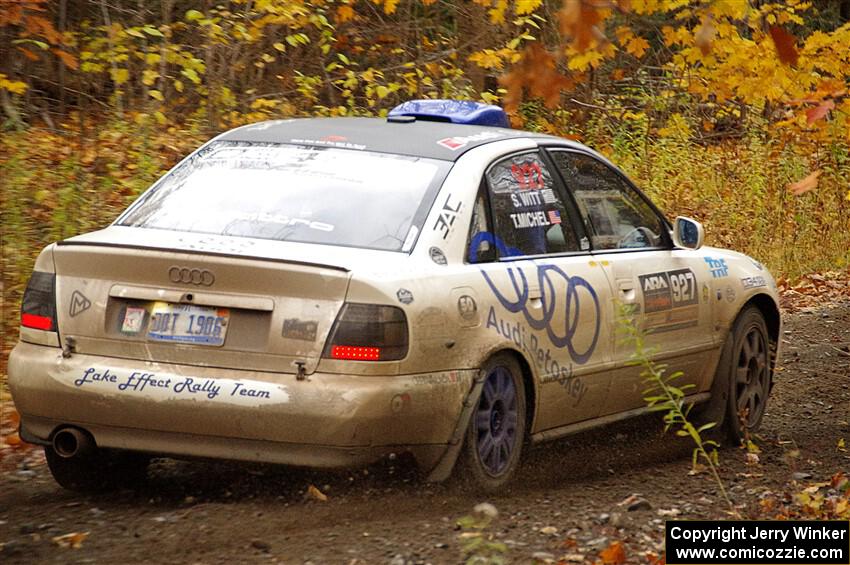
(614, 554)
(74, 540)
(313, 492)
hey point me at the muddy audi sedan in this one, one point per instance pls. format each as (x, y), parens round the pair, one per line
(328, 292)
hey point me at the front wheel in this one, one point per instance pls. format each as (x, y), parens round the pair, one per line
(743, 379)
(750, 375)
(496, 432)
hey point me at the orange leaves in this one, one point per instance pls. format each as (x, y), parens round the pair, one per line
(579, 20)
(614, 554)
(810, 182)
(819, 111)
(704, 36)
(344, 14)
(388, 5)
(67, 59)
(536, 72)
(786, 45)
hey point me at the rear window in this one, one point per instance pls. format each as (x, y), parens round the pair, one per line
(293, 193)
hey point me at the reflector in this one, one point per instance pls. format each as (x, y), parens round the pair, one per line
(36, 322)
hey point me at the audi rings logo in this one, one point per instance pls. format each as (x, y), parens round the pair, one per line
(200, 277)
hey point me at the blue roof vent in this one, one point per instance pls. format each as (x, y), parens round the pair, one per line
(454, 111)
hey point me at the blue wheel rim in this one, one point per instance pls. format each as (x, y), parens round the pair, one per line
(496, 421)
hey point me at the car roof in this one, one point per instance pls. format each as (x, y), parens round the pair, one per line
(402, 136)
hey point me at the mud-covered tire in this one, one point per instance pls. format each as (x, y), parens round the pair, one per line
(100, 470)
(742, 381)
(496, 433)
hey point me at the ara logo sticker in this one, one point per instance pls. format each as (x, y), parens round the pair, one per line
(655, 282)
(79, 304)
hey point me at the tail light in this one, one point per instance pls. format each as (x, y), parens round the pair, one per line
(368, 332)
(38, 308)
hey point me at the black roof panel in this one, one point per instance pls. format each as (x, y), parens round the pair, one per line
(435, 140)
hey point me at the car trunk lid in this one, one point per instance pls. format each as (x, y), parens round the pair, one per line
(273, 306)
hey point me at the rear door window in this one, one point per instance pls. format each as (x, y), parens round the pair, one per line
(529, 214)
(295, 193)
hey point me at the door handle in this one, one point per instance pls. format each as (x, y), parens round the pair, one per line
(627, 290)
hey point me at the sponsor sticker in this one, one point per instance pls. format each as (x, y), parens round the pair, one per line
(466, 307)
(670, 299)
(523, 220)
(133, 320)
(169, 386)
(79, 304)
(329, 141)
(718, 267)
(447, 216)
(438, 256)
(304, 330)
(458, 142)
(753, 282)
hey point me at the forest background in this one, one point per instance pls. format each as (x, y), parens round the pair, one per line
(734, 112)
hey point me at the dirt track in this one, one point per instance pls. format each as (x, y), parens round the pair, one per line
(208, 513)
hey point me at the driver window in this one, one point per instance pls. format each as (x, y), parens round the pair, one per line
(617, 217)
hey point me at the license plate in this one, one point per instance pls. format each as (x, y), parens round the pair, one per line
(186, 323)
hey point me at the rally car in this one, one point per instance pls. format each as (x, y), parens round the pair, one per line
(328, 292)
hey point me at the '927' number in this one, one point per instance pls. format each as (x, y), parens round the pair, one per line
(683, 287)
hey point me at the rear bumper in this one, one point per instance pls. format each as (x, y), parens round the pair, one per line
(328, 420)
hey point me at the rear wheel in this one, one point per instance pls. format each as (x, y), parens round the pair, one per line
(496, 432)
(98, 470)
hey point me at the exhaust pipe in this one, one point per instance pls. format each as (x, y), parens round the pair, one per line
(71, 442)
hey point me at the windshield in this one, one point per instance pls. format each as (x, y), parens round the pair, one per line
(294, 193)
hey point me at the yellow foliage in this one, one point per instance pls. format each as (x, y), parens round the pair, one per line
(13, 86)
(489, 58)
(527, 6)
(119, 76)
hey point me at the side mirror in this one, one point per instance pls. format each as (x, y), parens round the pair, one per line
(688, 233)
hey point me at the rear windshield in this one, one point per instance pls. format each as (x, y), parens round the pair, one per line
(293, 193)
